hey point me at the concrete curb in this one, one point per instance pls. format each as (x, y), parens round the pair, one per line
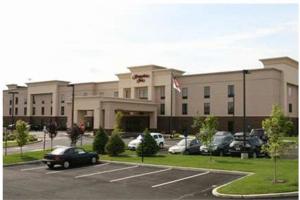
(22, 163)
(177, 167)
(215, 192)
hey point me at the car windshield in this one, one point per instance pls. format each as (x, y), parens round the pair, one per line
(182, 142)
(218, 140)
(58, 151)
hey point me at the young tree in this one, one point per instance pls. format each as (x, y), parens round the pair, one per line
(21, 134)
(100, 141)
(197, 122)
(52, 130)
(149, 147)
(118, 122)
(276, 126)
(207, 132)
(74, 134)
(115, 145)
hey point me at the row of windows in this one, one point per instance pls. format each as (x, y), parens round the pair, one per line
(206, 92)
(62, 111)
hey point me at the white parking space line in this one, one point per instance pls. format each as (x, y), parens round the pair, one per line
(103, 172)
(34, 168)
(138, 175)
(177, 180)
(100, 165)
(55, 172)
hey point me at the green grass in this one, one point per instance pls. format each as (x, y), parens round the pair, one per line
(259, 183)
(290, 139)
(13, 143)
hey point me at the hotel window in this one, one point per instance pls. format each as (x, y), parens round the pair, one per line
(17, 100)
(33, 99)
(162, 92)
(16, 111)
(206, 92)
(43, 111)
(33, 110)
(127, 93)
(62, 110)
(62, 99)
(230, 108)
(51, 110)
(206, 108)
(25, 110)
(10, 102)
(290, 107)
(116, 94)
(43, 102)
(25, 101)
(289, 91)
(9, 111)
(184, 109)
(142, 93)
(230, 90)
(162, 109)
(184, 93)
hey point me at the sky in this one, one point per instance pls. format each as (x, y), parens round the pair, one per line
(85, 41)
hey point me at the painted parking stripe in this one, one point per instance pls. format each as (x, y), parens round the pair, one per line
(103, 172)
(138, 175)
(177, 180)
(55, 172)
(34, 168)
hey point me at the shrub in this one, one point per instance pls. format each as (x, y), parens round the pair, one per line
(21, 134)
(115, 145)
(150, 146)
(9, 136)
(100, 141)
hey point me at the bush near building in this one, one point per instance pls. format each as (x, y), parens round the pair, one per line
(115, 145)
(100, 141)
(149, 147)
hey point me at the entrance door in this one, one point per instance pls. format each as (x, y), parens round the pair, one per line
(135, 123)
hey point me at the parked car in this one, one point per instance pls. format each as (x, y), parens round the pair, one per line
(193, 146)
(252, 145)
(158, 137)
(220, 144)
(260, 133)
(69, 156)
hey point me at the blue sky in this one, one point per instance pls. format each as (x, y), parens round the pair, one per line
(91, 41)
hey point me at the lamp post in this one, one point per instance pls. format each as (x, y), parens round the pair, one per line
(12, 116)
(243, 154)
(142, 139)
(72, 114)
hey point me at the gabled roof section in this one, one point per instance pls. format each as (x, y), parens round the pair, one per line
(280, 60)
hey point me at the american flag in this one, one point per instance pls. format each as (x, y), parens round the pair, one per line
(176, 85)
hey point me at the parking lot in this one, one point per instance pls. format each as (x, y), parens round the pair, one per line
(109, 181)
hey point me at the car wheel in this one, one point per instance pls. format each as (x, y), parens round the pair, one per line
(161, 145)
(66, 164)
(94, 160)
(50, 166)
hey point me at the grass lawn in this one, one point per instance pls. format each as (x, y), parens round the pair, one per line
(290, 139)
(13, 143)
(260, 182)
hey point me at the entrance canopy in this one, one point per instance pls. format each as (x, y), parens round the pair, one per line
(103, 110)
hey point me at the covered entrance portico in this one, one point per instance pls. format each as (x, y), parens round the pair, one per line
(138, 114)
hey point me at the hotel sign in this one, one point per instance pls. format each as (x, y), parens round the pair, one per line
(140, 78)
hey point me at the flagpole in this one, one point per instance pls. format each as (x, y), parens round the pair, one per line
(170, 121)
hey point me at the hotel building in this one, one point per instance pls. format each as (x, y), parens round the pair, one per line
(147, 99)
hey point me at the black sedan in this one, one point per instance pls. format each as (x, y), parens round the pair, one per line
(69, 156)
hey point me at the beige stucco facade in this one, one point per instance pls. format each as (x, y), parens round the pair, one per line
(147, 90)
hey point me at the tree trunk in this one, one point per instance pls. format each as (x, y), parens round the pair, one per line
(51, 143)
(275, 170)
(21, 150)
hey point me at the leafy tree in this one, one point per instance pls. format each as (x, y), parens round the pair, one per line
(52, 130)
(74, 134)
(100, 141)
(115, 145)
(276, 126)
(207, 132)
(197, 122)
(118, 122)
(21, 134)
(149, 145)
